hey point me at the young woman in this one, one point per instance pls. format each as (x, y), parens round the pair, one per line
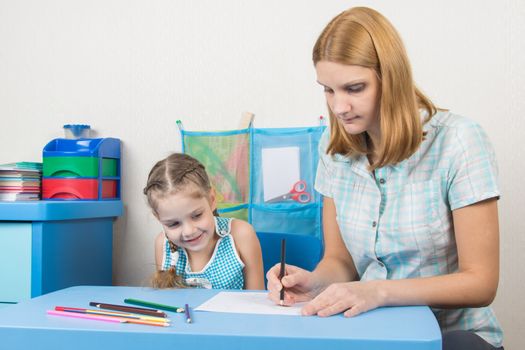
(410, 195)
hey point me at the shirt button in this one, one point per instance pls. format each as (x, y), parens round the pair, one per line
(381, 264)
(382, 181)
(374, 224)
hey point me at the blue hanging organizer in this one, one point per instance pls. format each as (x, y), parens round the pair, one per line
(246, 172)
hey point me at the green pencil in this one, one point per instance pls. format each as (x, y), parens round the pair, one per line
(154, 305)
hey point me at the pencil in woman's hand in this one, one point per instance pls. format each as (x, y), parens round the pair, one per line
(282, 272)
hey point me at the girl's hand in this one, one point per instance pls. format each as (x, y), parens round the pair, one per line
(300, 285)
(352, 298)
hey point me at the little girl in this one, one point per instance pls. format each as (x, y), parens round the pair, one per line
(197, 248)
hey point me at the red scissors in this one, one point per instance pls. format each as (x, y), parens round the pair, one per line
(297, 193)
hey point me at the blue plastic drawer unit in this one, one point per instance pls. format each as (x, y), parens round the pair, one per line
(81, 169)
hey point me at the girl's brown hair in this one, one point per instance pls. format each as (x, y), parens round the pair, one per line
(362, 36)
(177, 172)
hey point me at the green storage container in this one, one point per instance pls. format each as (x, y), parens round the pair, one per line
(78, 167)
(109, 167)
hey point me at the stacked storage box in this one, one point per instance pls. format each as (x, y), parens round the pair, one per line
(81, 169)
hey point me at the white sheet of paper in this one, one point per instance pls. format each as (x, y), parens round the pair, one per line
(247, 303)
(281, 169)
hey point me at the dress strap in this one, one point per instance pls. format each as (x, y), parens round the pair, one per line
(223, 226)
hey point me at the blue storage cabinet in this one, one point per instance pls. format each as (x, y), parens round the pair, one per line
(51, 245)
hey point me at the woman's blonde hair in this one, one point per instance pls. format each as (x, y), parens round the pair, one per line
(362, 36)
(177, 172)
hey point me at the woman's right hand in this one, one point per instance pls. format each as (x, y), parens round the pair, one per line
(299, 285)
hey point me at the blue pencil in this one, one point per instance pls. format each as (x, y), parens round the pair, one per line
(187, 312)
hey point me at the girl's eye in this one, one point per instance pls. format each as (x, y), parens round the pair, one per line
(173, 224)
(196, 216)
(355, 88)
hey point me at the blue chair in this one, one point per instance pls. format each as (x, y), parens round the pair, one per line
(302, 251)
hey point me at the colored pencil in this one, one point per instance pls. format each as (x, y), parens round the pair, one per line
(86, 316)
(125, 308)
(112, 313)
(187, 313)
(148, 323)
(155, 305)
(282, 271)
(105, 318)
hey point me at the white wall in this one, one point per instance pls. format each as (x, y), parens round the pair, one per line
(132, 68)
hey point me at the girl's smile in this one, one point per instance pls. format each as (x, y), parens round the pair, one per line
(193, 240)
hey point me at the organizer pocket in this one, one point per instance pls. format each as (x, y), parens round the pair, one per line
(281, 158)
(287, 218)
(226, 158)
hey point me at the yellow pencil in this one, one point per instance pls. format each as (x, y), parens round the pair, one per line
(114, 314)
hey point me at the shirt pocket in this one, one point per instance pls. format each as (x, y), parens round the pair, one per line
(419, 206)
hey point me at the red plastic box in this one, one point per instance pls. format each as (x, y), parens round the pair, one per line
(54, 188)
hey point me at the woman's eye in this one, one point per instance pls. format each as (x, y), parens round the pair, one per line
(355, 88)
(328, 90)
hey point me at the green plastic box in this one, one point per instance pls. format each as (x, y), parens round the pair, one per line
(78, 167)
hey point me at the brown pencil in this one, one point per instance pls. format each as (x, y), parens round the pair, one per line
(125, 308)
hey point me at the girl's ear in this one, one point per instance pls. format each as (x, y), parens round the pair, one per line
(213, 199)
(155, 215)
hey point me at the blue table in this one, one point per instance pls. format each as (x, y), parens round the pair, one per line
(27, 326)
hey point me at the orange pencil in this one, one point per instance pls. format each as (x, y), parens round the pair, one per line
(112, 313)
(105, 318)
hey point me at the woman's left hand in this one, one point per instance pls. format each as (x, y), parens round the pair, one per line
(352, 298)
